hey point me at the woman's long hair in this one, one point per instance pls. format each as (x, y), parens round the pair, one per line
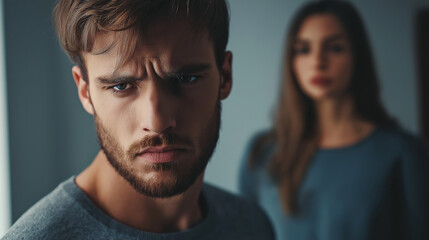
(295, 130)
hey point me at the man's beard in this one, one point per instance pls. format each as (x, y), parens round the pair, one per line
(182, 176)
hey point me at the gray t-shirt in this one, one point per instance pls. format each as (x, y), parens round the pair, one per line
(68, 213)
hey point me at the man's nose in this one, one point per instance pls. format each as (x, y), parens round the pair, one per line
(158, 108)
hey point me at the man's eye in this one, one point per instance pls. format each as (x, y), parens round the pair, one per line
(184, 78)
(121, 87)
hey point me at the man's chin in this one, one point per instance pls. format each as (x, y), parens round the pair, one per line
(161, 183)
(164, 188)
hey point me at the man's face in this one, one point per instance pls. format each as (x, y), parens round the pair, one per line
(158, 116)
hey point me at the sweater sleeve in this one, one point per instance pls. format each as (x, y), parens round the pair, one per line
(415, 188)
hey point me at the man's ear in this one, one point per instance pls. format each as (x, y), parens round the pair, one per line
(82, 90)
(226, 76)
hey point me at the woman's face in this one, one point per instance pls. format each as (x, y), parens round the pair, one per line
(322, 58)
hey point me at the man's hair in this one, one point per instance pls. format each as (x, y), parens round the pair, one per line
(79, 21)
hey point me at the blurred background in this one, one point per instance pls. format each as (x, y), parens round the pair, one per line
(46, 136)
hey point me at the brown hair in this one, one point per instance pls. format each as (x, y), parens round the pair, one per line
(79, 21)
(295, 129)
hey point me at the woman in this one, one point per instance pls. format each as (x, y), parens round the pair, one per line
(335, 165)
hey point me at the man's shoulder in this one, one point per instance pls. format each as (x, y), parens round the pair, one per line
(53, 217)
(238, 215)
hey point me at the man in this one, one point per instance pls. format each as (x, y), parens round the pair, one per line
(152, 73)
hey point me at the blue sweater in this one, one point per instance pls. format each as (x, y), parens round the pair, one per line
(377, 188)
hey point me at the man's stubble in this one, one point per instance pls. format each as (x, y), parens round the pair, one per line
(181, 177)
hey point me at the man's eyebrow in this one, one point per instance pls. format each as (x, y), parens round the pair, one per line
(115, 79)
(192, 68)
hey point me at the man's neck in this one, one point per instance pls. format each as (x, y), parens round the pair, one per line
(117, 198)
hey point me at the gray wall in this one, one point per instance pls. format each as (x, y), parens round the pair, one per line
(52, 138)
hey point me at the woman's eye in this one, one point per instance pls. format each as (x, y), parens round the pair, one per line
(184, 78)
(121, 87)
(336, 48)
(302, 50)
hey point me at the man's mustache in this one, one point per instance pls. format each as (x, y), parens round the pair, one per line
(163, 139)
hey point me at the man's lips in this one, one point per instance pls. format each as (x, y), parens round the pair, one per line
(162, 154)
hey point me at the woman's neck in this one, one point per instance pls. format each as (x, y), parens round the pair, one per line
(338, 123)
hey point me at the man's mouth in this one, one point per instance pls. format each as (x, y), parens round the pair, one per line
(161, 154)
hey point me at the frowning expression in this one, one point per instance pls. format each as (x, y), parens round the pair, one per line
(158, 115)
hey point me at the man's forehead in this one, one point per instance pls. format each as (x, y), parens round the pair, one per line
(168, 45)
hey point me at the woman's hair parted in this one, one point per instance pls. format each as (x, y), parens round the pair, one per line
(295, 130)
(79, 21)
